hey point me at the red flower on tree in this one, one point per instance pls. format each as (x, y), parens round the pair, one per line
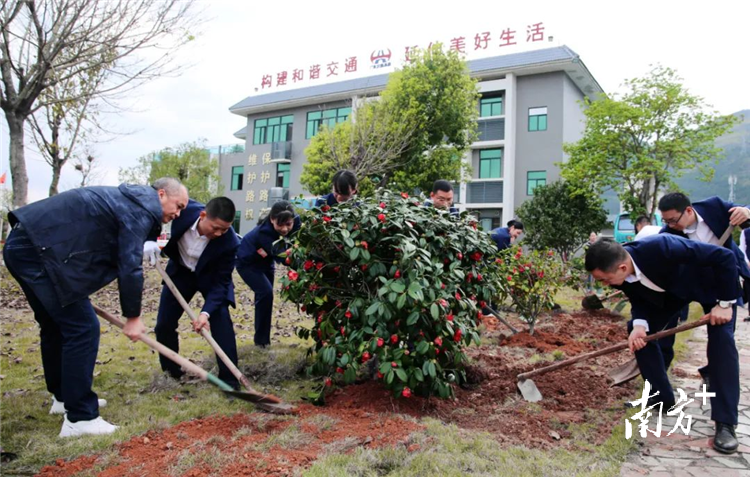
(292, 275)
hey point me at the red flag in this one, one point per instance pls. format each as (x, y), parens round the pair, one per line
(2, 177)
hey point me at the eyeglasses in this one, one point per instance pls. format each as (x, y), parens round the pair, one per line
(673, 221)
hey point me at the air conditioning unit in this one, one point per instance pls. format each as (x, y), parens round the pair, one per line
(281, 152)
(276, 194)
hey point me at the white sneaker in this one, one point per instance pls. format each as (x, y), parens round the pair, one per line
(59, 407)
(96, 426)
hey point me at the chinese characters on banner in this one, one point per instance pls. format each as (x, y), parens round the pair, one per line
(486, 41)
(646, 411)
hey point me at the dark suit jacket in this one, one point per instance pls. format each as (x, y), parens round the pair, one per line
(264, 236)
(501, 236)
(326, 200)
(686, 269)
(715, 212)
(214, 269)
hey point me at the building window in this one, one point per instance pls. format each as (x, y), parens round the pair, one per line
(491, 107)
(282, 175)
(236, 223)
(490, 164)
(274, 129)
(538, 119)
(238, 174)
(535, 179)
(329, 118)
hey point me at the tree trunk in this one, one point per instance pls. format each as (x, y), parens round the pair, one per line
(56, 169)
(17, 160)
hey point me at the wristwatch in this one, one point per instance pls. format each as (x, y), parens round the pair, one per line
(725, 304)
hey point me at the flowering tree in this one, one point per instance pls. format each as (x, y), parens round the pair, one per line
(394, 283)
(532, 280)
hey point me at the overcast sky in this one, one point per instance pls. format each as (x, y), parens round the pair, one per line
(242, 41)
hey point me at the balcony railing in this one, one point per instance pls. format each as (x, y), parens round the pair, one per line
(281, 151)
(491, 129)
(484, 192)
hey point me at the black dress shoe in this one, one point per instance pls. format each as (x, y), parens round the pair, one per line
(725, 439)
(705, 377)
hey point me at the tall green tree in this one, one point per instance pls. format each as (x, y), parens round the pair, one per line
(44, 42)
(416, 132)
(191, 163)
(561, 217)
(638, 144)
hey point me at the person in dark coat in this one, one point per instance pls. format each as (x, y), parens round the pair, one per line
(705, 222)
(256, 258)
(505, 236)
(66, 247)
(201, 255)
(343, 189)
(660, 275)
(441, 197)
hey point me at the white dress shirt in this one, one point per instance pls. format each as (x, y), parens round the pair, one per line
(700, 232)
(191, 245)
(638, 276)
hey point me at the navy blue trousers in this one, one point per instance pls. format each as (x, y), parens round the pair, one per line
(168, 318)
(261, 282)
(69, 335)
(723, 365)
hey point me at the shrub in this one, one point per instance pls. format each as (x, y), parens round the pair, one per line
(531, 281)
(394, 281)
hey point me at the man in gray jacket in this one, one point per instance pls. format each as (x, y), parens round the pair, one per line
(66, 247)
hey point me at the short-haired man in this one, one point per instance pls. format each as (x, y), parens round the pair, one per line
(201, 252)
(441, 196)
(660, 275)
(66, 247)
(343, 188)
(705, 222)
(643, 228)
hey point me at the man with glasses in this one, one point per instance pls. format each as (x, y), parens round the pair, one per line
(705, 222)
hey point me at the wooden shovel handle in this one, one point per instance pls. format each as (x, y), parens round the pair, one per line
(611, 349)
(155, 345)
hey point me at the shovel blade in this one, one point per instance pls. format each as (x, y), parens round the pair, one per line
(592, 302)
(261, 403)
(529, 391)
(624, 373)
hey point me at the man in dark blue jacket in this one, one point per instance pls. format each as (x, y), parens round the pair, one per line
(505, 236)
(66, 247)
(660, 275)
(201, 252)
(705, 222)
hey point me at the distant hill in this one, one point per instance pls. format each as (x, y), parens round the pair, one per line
(736, 160)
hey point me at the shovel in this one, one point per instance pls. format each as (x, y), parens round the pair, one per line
(502, 320)
(593, 302)
(277, 406)
(255, 398)
(531, 393)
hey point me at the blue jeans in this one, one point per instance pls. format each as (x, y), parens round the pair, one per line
(69, 334)
(261, 282)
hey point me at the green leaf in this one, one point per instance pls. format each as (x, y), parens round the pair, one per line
(423, 347)
(431, 369)
(389, 376)
(373, 308)
(398, 286)
(434, 311)
(419, 375)
(365, 254)
(349, 242)
(413, 317)
(401, 374)
(401, 301)
(354, 253)
(344, 359)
